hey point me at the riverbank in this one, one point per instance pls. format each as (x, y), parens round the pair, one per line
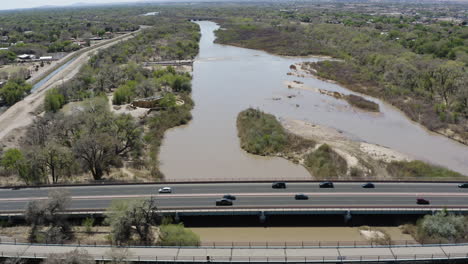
(369, 160)
(422, 114)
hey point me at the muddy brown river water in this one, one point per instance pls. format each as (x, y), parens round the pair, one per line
(227, 80)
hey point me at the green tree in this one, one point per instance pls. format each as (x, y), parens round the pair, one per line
(14, 91)
(442, 226)
(54, 100)
(7, 56)
(125, 93)
(169, 100)
(12, 158)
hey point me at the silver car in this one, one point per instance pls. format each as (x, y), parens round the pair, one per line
(165, 190)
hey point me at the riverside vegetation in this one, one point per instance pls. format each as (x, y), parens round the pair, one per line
(91, 138)
(127, 222)
(262, 134)
(55, 33)
(417, 64)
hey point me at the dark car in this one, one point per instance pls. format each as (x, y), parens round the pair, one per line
(422, 201)
(229, 197)
(463, 185)
(278, 185)
(224, 202)
(326, 185)
(301, 197)
(368, 185)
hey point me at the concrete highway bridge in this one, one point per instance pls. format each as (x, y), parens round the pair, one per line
(201, 197)
(259, 201)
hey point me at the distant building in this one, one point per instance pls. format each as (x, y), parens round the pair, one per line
(46, 58)
(27, 57)
(108, 35)
(79, 43)
(95, 38)
(149, 102)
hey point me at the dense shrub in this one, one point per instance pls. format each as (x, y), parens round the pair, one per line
(54, 100)
(14, 91)
(177, 235)
(325, 163)
(442, 227)
(261, 133)
(419, 169)
(125, 93)
(361, 102)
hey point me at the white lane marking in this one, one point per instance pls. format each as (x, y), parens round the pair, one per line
(273, 194)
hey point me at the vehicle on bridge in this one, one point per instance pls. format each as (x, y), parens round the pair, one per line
(301, 196)
(223, 202)
(229, 197)
(463, 185)
(278, 185)
(327, 184)
(368, 185)
(165, 190)
(422, 201)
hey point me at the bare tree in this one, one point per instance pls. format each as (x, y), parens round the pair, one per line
(49, 213)
(119, 255)
(73, 257)
(133, 218)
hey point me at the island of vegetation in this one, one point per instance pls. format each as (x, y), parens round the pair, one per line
(326, 153)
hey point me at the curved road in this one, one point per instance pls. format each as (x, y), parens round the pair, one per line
(251, 195)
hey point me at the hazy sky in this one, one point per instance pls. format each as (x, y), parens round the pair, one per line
(11, 4)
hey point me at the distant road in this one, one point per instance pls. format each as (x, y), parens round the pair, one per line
(252, 195)
(22, 113)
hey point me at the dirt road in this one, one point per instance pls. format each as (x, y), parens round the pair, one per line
(23, 113)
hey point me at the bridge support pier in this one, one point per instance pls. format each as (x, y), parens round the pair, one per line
(347, 216)
(262, 217)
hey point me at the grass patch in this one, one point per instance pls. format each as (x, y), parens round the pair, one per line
(262, 134)
(325, 163)
(362, 103)
(419, 169)
(177, 235)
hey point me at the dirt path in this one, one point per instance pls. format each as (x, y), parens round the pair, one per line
(23, 113)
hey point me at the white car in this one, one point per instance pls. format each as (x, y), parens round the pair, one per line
(165, 190)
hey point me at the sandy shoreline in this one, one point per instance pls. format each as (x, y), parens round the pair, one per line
(362, 155)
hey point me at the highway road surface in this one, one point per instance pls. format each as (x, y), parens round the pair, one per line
(251, 195)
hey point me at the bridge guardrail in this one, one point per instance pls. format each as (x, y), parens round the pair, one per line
(258, 259)
(247, 180)
(254, 245)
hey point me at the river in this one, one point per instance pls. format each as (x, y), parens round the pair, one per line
(227, 80)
